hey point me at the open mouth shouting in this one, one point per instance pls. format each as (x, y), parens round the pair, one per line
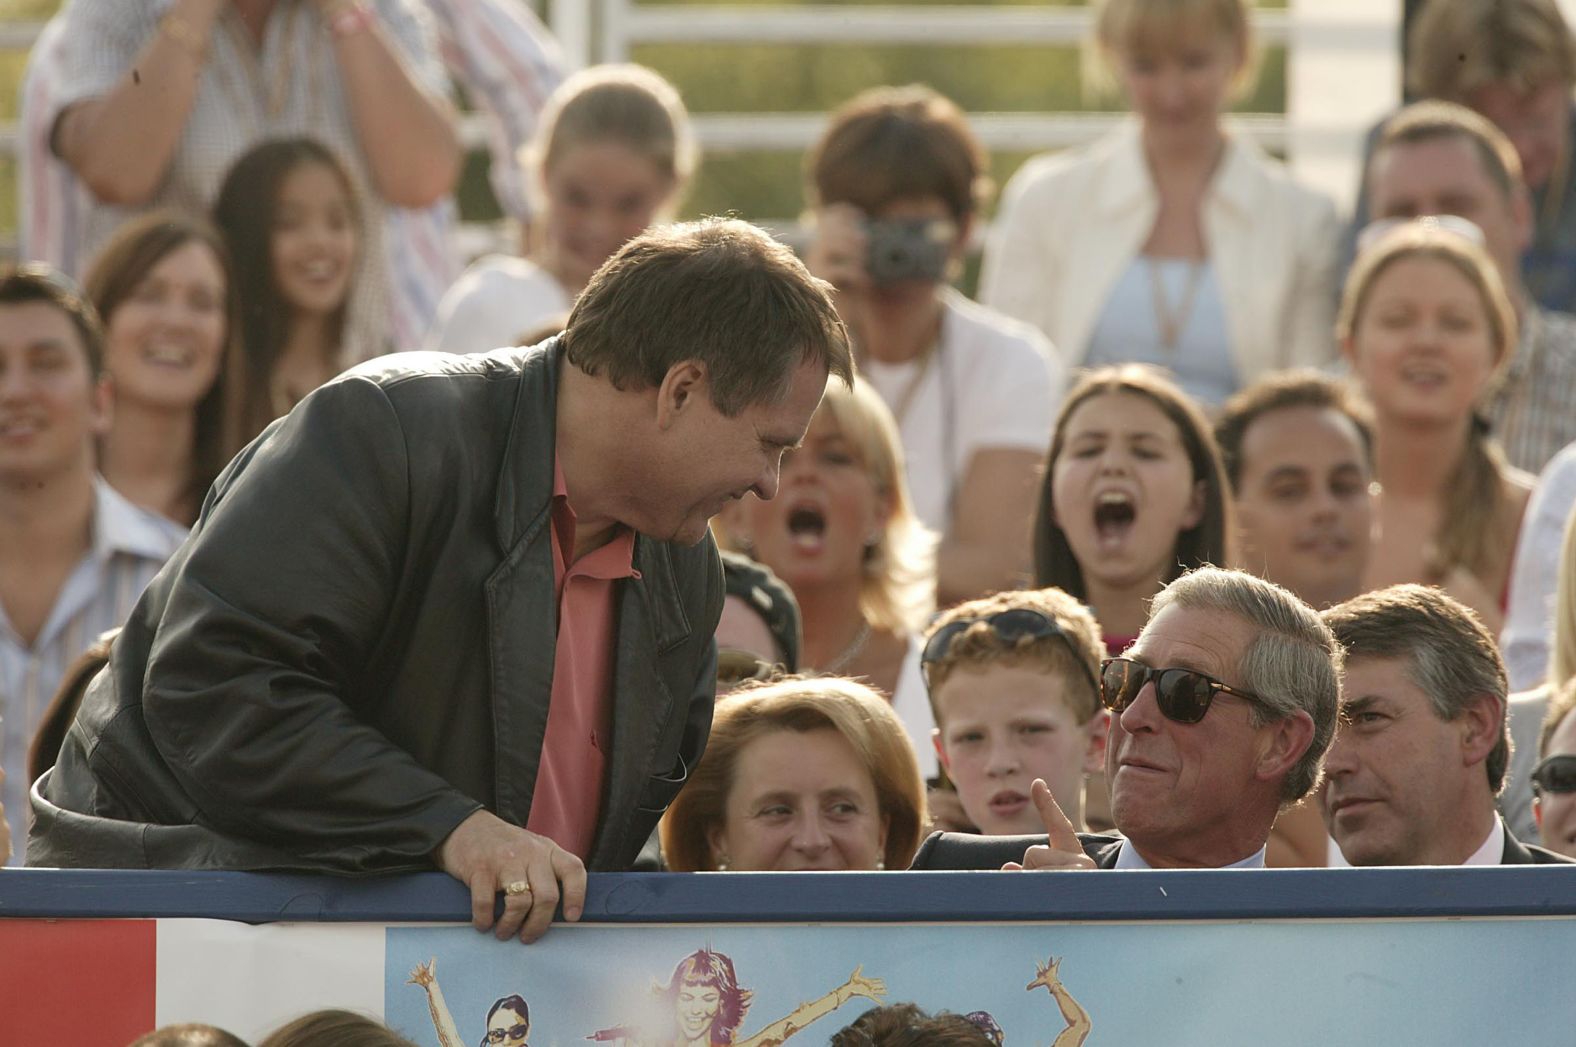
(1114, 516)
(807, 526)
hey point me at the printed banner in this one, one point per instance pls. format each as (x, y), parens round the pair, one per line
(1313, 982)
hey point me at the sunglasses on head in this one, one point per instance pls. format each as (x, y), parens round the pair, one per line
(1555, 774)
(517, 1032)
(1183, 695)
(735, 667)
(1448, 224)
(1011, 626)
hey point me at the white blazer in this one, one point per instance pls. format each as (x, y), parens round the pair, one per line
(1072, 222)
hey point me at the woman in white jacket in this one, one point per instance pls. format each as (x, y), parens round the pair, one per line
(1171, 241)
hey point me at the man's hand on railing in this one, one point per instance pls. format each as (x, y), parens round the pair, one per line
(489, 855)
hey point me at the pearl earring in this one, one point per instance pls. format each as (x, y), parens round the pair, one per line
(722, 864)
(880, 865)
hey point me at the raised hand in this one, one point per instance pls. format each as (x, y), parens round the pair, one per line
(869, 988)
(1061, 849)
(1047, 974)
(424, 974)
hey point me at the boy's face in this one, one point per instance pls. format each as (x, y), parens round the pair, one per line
(1001, 727)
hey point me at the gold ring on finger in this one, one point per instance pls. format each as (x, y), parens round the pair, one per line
(517, 887)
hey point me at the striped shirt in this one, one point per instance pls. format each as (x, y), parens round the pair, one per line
(497, 50)
(127, 548)
(1532, 408)
(246, 94)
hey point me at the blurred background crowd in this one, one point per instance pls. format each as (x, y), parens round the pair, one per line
(1149, 352)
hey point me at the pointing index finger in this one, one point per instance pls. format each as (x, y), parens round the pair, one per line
(1063, 837)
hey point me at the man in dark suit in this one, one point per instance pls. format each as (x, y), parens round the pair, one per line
(1422, 747)
(457, 611)
(1221, 711)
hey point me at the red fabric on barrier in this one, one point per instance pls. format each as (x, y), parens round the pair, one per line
(79, 981)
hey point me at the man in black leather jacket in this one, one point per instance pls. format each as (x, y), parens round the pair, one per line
(348, 666)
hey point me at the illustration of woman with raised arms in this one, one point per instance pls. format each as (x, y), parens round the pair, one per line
(508, 1019)
(1077, 1019)
(703, 1006)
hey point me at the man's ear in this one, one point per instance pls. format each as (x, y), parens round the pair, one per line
(941, 750)
(103, 412)
(1099, 730)
(1482, 725)
(684, 382)
(1285, 741)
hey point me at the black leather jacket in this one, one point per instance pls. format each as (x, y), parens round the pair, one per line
(354, 650)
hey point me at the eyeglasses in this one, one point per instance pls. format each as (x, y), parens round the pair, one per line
(735, 667)
(1455, 225)
(1011, 626)
(517, 1032)
(1183, 695)
(1555, 774)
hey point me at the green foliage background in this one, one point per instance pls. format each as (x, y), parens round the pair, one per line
(787, 78)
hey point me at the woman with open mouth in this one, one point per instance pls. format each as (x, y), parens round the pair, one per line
(1427, 326)
(1134, 495)
(842, 533)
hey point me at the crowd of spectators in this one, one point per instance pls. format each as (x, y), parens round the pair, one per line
(1205, 539)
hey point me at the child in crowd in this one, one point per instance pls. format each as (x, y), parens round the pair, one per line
(896, 182)
(290, 215)
(1013, 685)
(1134, 495)
(612, 155)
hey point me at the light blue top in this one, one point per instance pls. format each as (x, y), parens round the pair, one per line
(1129, 332)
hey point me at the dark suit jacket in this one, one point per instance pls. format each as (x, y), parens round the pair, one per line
(354, 650)
(1518, 853)
(957, 851)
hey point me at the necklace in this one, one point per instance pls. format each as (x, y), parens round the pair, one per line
(1168, 321)
(849, 653)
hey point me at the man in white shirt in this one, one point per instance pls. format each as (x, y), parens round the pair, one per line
(1422, 746)
(74, 555)
(1220, 712)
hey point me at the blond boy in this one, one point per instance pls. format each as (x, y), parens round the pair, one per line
(1013, 683)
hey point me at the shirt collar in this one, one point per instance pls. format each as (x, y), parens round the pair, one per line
(615, 559)
(1493, 850)
(1127, 857)
(120, 527)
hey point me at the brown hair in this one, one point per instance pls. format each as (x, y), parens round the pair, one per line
(33, 282)
(1432, 121)
(188, 1034)
(334, 1028)
(1206, 542)
(719, 291)
(628, 104)
(1074, 655)
(1458, 46)
(905, 1025)
(888, 143)
(1473, 498)
(119, 271)
(1281, 391)
(1450, 656)
(798, 703)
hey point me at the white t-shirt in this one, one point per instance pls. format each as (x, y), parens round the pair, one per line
(496, 303)
(911, 702)
(991, 383)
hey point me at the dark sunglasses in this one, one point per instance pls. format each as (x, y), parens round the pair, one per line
(1555, 774)
(1011, 626)
(735, 667)
(517, 1032)
(1183, 695)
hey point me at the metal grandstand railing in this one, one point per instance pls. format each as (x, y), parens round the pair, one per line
(1342, 70)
